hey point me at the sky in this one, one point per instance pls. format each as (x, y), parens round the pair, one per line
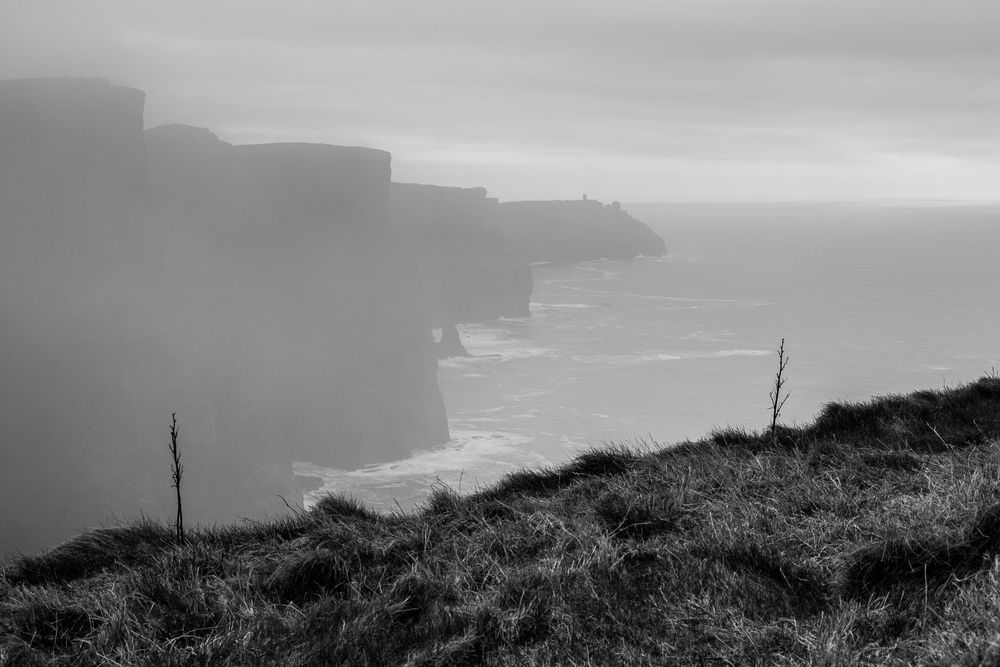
(679, 100)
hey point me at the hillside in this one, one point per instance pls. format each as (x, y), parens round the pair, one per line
(867, 537)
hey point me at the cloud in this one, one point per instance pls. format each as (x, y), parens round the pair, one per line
(481, 90)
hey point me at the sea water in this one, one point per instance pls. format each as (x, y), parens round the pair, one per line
(870, 299)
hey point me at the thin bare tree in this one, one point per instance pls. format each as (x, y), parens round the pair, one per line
(777, 400)
(176, 472)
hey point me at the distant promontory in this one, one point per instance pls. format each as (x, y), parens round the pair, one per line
(575, 230)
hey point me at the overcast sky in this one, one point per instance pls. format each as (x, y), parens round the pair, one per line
(637, 101)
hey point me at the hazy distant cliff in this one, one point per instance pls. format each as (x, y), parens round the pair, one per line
(575, 230)
(62, 138)
(73, 264)
(254, 290)
(467, 270)
(304, 232)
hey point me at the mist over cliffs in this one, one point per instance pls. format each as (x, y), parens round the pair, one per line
(574, 230)
(279, 298)
(474, 253)
(255, 290)
(321, 291)
(469, 272)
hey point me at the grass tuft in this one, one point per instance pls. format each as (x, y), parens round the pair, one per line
(807, 589)
(927, 420)
(90, 553)
(921, 563)
(309, 574)
(636, 517)
(444, 501)
(892, 460)
(341, 507)
(615, 460)
(49, 625)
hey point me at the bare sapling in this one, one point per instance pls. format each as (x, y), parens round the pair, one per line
(777, 399)
(176, 472)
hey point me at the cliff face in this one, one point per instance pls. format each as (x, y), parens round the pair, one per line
(353, 365)
(566, 231)
(296, 239)
(467, 271)
(256, 291)
(72, 183)
(70, 139)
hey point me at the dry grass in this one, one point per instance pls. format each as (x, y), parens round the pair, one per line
(868, 538)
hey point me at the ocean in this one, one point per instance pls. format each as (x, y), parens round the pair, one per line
(870, 299)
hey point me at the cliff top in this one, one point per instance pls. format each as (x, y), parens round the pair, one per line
(867, 537)
(478, 192)
(189, 136)
(185, 133)
(313, 149)
(545, 203)
(55, 83)
(54, 90)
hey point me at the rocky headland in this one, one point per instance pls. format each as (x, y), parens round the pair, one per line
(575, 230)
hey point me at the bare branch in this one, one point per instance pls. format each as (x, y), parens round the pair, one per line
(777, 400)
(176, 473)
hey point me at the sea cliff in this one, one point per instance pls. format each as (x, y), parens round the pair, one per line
(257, 291)
(303, 233)
(468, 270)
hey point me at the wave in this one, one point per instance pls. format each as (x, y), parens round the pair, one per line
(471, 458)
(688, 302)
(677, 257)
(498, 356)
(650, 357)
(728, 353)
(720, 336)
(537, 305)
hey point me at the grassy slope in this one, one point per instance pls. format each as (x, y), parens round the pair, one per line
(869, 537)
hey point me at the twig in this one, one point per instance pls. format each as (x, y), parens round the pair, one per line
(176, 473)
(777, 401)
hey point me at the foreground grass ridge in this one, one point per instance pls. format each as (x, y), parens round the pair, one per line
(869, 537)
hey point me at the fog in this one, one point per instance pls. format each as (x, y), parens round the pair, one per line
(255, 217)
(255, 291)
(279, 298)
(636, 101)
